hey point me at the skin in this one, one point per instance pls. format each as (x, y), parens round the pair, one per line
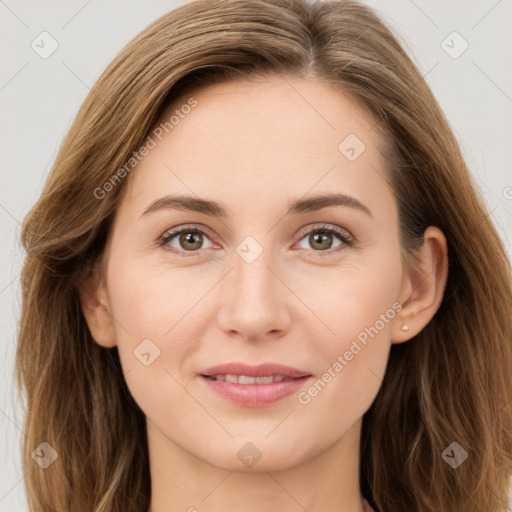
(255, 146)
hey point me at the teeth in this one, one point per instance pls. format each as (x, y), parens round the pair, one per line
(242, 379)
(245, 379)
(265, 380)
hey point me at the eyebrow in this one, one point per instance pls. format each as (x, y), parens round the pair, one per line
(214, 209)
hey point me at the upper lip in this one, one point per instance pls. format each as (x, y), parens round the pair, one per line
(261, 370)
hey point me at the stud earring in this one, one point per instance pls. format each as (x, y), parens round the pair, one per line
(405, 327)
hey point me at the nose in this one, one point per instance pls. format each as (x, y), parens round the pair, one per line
(256, 300)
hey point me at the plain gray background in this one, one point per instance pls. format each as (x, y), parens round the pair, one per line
(40, 97)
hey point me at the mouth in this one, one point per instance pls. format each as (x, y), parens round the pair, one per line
(245, 372)
(249, 379)
(253, 386)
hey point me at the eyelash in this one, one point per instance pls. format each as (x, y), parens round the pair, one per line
(343, 235)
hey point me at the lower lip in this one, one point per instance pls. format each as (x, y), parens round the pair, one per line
(255, 395)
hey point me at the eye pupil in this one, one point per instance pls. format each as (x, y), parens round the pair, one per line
(190, 237)
(319, 237)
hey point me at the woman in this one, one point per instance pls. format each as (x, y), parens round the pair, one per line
(260, 276)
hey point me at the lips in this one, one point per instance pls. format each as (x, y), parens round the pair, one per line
(247, 379)
(261, 370)
(254, 386)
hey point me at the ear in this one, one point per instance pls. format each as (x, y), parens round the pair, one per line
(422, 292)
(94, 303)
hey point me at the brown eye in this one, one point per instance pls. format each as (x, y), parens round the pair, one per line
(321, 240)
(183, 241)
(191, 240)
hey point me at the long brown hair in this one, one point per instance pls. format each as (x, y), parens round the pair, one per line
(451, 383)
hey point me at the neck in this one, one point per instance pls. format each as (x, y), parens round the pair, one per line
(327, 482)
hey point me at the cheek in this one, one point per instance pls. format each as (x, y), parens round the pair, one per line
(157, 311)
(153, 337)
(357, 305)
(354, 297)
(151, 297)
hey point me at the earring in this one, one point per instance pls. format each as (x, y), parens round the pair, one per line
(405, 327)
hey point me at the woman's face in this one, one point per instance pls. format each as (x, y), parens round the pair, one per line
(262, 281)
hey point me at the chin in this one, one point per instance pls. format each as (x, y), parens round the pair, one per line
(255, 457)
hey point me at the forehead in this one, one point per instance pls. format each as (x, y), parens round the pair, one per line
(264, 115)
(260, 140)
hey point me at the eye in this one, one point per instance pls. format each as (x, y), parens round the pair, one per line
(321, 239)
(189, 241)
